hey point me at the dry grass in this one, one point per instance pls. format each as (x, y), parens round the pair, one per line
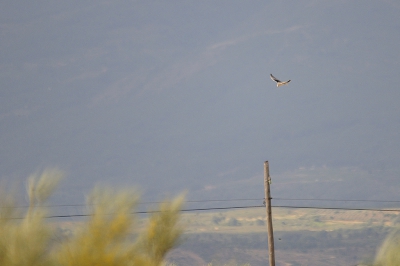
(109, 237)
(389, 252)
(26, 241)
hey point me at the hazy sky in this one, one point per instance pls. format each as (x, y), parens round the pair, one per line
(173, 95)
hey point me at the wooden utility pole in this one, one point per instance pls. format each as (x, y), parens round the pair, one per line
(267, 182)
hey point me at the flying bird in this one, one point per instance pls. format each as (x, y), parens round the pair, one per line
(278, 82)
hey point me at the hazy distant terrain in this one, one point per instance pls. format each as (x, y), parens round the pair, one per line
(176, 95)
(302, 237)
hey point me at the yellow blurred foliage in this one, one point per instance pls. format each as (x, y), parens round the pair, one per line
(389, 252)
(110, 236)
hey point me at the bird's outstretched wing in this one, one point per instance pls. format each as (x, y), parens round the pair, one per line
(274, 79)
(278, 82)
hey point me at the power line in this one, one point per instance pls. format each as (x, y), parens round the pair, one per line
(337, 208)
(156, 211)
(220, 200)
(139, 203)
(228, 200)
(343, 200)
(223, 208)
(238, 207)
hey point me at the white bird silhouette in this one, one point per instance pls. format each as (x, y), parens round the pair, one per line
(278, 82)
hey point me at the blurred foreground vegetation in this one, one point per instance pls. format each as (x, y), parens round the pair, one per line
(110, 236)
(389, 252)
